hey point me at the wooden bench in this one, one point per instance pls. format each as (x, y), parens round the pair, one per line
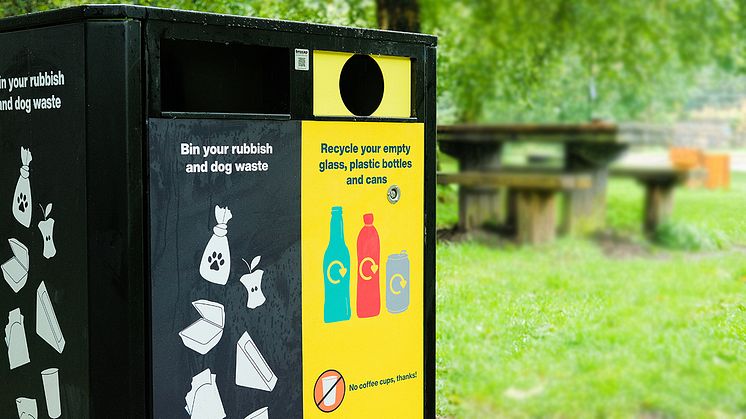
(533, 198)
(659, 183)
(588, 149)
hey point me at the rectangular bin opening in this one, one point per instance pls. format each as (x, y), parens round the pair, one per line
(214, 77)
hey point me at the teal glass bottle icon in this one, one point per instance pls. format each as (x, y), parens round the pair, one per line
(336, 272)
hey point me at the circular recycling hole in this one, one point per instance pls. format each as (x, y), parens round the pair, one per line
(361, 85)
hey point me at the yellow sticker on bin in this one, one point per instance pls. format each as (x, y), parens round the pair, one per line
(362, 269)
(396, 101)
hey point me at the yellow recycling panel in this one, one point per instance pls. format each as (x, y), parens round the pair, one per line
(396, 100)
(362, 269)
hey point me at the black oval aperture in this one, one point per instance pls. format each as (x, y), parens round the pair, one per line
(361, 85)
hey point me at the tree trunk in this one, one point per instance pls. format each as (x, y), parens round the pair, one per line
(398, 15)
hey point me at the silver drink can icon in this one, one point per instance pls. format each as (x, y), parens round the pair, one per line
(397, 282)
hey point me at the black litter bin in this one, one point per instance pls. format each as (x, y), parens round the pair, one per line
(212, 216)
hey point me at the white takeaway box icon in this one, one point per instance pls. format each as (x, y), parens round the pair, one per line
(202, 335)
(15, 270)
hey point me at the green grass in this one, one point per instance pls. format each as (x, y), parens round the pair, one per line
(565, 331)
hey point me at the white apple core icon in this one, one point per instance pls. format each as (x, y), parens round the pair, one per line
(47, 231)
(253, 283)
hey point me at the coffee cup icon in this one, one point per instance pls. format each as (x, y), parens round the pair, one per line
(328, 385)
(51, 380)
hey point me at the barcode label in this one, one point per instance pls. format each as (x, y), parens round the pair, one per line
(301, 59)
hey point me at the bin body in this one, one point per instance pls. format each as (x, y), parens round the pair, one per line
(184, 194)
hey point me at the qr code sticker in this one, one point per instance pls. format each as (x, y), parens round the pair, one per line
(301, 59)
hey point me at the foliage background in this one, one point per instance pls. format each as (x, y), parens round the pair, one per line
(540, 60)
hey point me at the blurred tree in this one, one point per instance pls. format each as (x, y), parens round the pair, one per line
(19, 7)
(339, 12)
(568, 60)
(534, 60)
(398, 15)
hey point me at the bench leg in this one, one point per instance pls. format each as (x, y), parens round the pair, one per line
(658, 206)
(511, 209)
(536, 213)
(477, 206)
(585, 209)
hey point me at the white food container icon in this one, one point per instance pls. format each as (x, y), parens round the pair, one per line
(15, 270)
(252, 370)
(47, 325)
(202, 335)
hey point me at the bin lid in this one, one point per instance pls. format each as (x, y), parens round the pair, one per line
(211, 311)
(20, 251)
(171, 16)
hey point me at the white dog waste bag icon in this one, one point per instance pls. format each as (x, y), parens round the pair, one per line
(22, 196)
(216, 260)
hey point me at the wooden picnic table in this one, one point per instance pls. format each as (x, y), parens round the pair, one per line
(588, 149)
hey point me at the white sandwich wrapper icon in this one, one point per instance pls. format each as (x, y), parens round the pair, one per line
(27, 408)
(202, 335)
(251, 369)
(262, 413)
(47, 326)
(15, 270)
(203, 400)
(15, 340)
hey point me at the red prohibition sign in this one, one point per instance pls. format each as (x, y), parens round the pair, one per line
(329, 391)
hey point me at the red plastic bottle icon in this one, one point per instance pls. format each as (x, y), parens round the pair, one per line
(368, 263)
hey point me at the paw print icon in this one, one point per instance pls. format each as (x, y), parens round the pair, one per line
(216, 261)
(22, 201)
